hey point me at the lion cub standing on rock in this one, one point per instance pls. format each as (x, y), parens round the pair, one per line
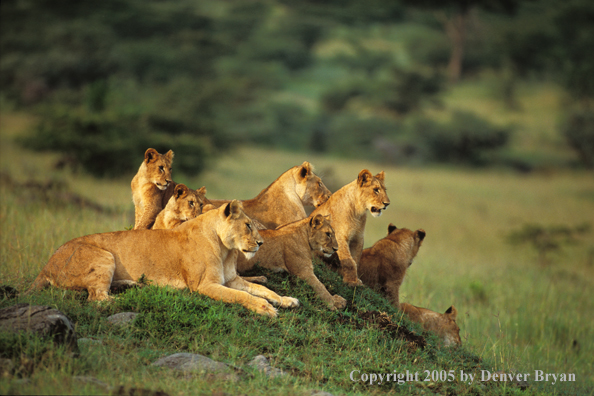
(148, 187)
(384, 265)
(444, 325)
(348, 207)
(200, 254)
(290, 247)
(184, 205)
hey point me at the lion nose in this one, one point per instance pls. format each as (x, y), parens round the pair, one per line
(334, 248)
(386, 204)
(260, 243)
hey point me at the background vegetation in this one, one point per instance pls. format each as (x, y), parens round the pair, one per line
(492, 160)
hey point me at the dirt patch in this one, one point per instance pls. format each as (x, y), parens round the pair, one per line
(385, 323)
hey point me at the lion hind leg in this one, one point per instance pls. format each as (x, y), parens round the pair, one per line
(229, 295)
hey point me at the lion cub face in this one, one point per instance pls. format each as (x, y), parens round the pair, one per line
(321, 236)
(310, 187)
(158, 167)
(372, 192)
(239, 231)
(444, 325)
(186, 204)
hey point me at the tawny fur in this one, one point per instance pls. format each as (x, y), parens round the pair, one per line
(184, 205)
(348, 207)
(444, 325)
(200, 254)
(290, 248)
(148, 187)
(283, 201)
(383, 266)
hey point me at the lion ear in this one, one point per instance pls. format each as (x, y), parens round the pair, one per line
(180, 191)
(452, 312)
(305, 170)
(233, 209)
(201, 191)
(381, 176)
(391, 227)
(317, 221)
(169, 155)
(364, 178)
(151, 155)
(421, 234)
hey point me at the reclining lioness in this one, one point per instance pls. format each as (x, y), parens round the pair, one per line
(290, 247)
(348, 207)
(185, 204)
(200, 254)
(283, 201)
(444, 325)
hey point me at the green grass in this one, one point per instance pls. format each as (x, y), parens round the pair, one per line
(513, 313)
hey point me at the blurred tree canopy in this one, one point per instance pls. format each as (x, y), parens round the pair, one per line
(110, 78)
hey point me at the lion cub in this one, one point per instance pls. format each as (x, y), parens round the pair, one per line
(444, 325)
(348, 207)
(290, 248)
(184, 205)
(384, 265)
(148, 187)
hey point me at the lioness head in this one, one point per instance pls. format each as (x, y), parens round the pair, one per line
(372, 192)
(310, 188)
(321, 235)
(158, 167)
(186, 203)
(407, 242)
(239, 232)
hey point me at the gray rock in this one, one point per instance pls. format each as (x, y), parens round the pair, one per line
(261, 364)
(92, 380)
(192, 363)
(320, 393)
(122, 318)
(41, 320)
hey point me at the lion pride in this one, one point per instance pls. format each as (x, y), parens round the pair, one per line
(200, 254)
(348, 207)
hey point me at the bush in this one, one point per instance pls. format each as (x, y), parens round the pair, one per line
(465, 139)
(578, 131)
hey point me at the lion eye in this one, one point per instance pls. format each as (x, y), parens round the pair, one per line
(329, 235)
(191, 203)
(376, 190)
(320, 184)
(249, 226)
(161, 169)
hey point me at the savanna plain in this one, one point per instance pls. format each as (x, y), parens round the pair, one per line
(517, 313)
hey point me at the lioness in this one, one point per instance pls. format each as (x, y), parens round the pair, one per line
(348, 207)
(148, 187)
(200, 254)
(283, 201)
(384, 265)
(184, 205)
(444, 325)
(290, 247)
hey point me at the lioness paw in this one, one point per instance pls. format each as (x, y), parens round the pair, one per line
(289, 302)
(267, 309)
(338, 302)
(351, 282)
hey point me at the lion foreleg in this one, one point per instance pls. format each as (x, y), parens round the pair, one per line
(306, 273)
(150, 210)
(261, 291)
(348, 266)
(229, 295)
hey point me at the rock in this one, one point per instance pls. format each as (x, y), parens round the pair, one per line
(92, 380)
(320, 393)
(261, 364)
(196, 364)
(41, 320)
(122, 318)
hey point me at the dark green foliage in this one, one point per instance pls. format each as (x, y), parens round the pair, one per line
(547, 239)
(465, 139)
(578, 131)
